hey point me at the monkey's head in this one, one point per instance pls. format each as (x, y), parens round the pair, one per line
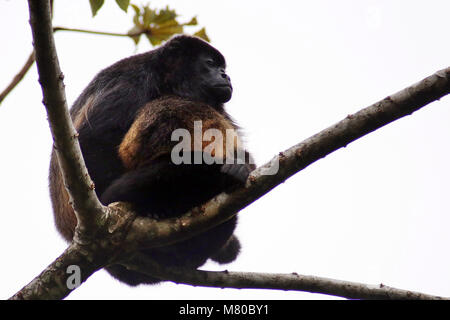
(192, 68)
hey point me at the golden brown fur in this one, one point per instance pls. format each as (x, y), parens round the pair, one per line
(150, 135)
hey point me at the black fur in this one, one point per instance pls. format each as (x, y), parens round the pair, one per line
(152, 94)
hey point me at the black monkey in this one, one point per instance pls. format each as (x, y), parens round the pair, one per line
(125, 119)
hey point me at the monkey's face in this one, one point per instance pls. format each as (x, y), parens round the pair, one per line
(212, 80)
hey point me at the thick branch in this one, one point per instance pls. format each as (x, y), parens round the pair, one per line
(52, 282)
(145, 232)
(88, 257)
(76, 178)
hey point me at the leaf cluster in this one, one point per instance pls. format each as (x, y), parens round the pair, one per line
(157, 25)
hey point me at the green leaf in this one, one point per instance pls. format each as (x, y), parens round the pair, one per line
(168, 29)
(169, 23)
(148, 16)
(165, 15)
(95, 6)
(159, 25)
(137, 14)
(193, 22)
(123, 4)
(202, 34)
(167, 32)
(136, 39)
(153, 40)
(136, 9)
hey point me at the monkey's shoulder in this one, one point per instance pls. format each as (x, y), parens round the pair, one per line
(151, 134)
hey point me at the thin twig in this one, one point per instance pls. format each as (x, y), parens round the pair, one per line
(102, 33)
(18, 77)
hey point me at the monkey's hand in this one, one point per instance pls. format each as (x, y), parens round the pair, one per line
(238, 172)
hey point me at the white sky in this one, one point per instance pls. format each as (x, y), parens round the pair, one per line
(374, 212)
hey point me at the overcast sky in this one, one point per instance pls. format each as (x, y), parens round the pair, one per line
(376, 211)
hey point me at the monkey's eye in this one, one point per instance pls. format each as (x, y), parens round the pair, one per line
(210, 62)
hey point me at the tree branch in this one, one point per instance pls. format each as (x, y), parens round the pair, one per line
(19, 76)
(145, 232)
(87, 256)
(277, 281)
(76, 178)
(52, 282)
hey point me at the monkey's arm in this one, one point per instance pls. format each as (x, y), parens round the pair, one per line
(131, 185)
(141, 183)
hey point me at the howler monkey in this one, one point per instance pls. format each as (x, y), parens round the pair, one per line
(126, 118)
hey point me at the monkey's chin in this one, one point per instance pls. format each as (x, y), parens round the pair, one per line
(223, 94)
